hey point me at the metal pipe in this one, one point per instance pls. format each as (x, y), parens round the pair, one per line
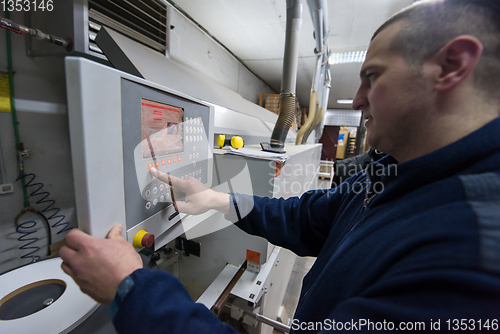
(285, 120)
(317, 73)
(328, 81)
(322, 94)
(317, 19)
(326, 25)
(317, 119)
(273, 323)
(321, 79)
(310, 118)
(313, 98)
(319, 16)
(291, 54)
(319, 90)
(6, 23)
(289, 77)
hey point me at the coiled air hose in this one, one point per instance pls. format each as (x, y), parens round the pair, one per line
(26, 228)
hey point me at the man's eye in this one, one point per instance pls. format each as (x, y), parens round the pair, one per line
(370, 76)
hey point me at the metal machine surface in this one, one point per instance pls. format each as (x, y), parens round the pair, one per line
(120, 127)
(234, 115)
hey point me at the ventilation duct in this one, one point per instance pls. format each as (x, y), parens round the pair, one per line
(289, 78)
(320, 88)
(145, 21)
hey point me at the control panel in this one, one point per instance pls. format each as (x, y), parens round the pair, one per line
(120, 127)
(165, 131)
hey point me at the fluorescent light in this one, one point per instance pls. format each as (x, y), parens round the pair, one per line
(347, 57)
(344, 101)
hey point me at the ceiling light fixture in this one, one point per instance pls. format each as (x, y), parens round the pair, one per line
(347, 57)
(344, 101)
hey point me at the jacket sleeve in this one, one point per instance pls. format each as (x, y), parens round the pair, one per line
(298, 224)
(425, 301)
(158, 303)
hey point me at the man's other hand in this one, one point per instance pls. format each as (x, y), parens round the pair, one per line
(99, 265)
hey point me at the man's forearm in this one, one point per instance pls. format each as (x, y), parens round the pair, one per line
(220, 202)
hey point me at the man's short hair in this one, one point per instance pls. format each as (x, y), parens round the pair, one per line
(432, 24)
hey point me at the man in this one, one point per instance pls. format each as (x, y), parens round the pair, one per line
(410, 246)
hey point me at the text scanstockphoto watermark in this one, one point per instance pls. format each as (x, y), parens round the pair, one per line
(368, 325)
(293, 176)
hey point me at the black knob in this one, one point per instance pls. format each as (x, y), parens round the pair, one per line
(155, 256)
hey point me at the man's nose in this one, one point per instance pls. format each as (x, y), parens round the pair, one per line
(360, 100)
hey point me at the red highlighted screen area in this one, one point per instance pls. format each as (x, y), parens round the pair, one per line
(162, 129)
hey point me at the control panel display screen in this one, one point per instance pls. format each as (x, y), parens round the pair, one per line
(162, 129)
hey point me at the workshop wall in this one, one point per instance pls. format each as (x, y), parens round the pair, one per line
(40, 93)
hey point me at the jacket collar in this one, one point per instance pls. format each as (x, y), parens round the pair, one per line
(475, 153)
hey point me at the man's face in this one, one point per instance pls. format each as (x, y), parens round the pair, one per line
(394, 98)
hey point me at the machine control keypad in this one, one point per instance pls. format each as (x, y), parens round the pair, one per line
(159, 192)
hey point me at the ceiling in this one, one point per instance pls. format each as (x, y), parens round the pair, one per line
(255, 32)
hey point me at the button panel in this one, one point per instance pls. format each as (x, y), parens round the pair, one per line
(159, 192)
(183, 165)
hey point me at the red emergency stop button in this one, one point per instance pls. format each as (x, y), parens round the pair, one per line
(143, 239)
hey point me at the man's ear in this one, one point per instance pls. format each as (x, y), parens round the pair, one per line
(456, 61)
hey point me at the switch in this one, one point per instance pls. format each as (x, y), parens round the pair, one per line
(143, 239)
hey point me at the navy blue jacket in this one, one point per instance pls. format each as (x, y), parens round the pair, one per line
(413, 244)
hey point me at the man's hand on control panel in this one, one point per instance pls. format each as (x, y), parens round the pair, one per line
(99, 265)
(192, 197)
